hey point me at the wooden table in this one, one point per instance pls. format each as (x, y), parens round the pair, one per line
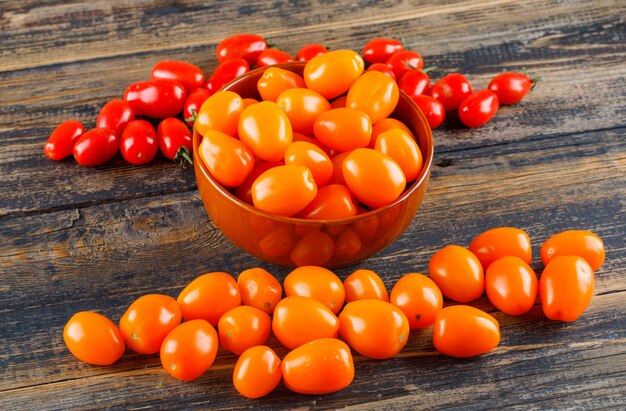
(76, 238)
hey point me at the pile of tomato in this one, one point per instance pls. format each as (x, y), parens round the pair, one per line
(321, 319)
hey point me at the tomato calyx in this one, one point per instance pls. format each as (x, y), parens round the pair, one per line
(192, 119)
(429, 69)
(183, 156)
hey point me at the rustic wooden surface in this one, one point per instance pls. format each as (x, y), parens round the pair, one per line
(75, 238)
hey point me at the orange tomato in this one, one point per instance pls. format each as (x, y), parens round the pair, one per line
(249, 101)
(332, 74)
(343, 129)
(243, 327)
(259, 289)
(387, 124)
(257, 372)
(373, 177)
(458, 273)
(339, 102)
(302, 106)
(244, 190)
(374, 328)
(298, 320)
(337, 176)
(501, 242)
(312, 140)
(464, 331)
(276, 80)
(575, 242)
(316, 282)
(365, 285)
(399, 145)
(229, 160)
(332, 202)
(321, 366)
(209, 296)
(220, 112)
(93, 338)
(566, 287)
(347, 244)
(511, 285)
(189, 350)
(315, 248)
(284, 190)
(301, 153)
(148, 320)
(374, 93)
(266, 130)
(418, 297)
(277, 243)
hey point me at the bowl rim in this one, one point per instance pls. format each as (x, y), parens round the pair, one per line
(417, 183)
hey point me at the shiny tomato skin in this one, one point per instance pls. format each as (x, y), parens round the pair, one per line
(156, 98)
(61, 142)
(217, 287)
(316, 282)
(478, 108)
(243, 327)
(375, 94)
(298, 320)
(500, 242)
(226, 72)
(402, 148)
(148, 320)
(415, 83)
(93, 338)
(270, 57)
(343, 129)
(96, 146)
(463, 331)
(247, 46)
(384, 125)
(266, 130)
(374, 328)
(432, 108)
(378, 50)
(451, 90)
(189, 350)
(259, 289)
(403, 61)
(138, 143)
(458, 273)
(331, 74)
(332, 202)
(574, 242)
(383, 68)
(229, 160)
(301, 153)
(173, 134)
(365, 285)
(309, 51)
(194, 101)
(302, 106)
(418, 297)
(257, 372)
(244, 190)
(510, 87)
(115, 114)
(284, 190)
(511, 285)
(275, 81)
(187, 74)
(220, 112)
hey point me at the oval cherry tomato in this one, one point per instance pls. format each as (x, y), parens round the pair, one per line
(173, 134)
(194, 101)
(415, 83)
(302, 106)
(374, 328)
(384, 125)
(284, 190)
(458, 273)
(404, 61)
(451, 90)
(157, 98)
(373, 177)
(301, 153)
(148, 320)
(277, 243)
(511, 87)
(115, 114)
(93, 338)
(257, 372)
(319, 367)
(229, 160)
(138, 143)
(309, 51)
(478, 108)
(464, 331)
(61, 142)
(347, 244)
(187, 74)
(243, 327)
(343, 129)
(208, 297)
(276, 80)
(375, 94)
(244, 190)
(383, 68)
(575, 242)
(226, 72)
(566, 287)
(316, 282)
(511, 285)
(418, 297)
(270, 57)
(259, 289)
(247, 46)
(315, 248)
(331, 74)
(432, 108)
(332, 202)
(95, 147)
(220, 112)
(189, 350)
(378, 50)
(501, 242)
(266, 130)
(298, 320)
(365, 285)
(402, 148)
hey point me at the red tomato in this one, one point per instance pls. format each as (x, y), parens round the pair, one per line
(138, 143)
(157, 98)
(464, 331)
(244, 190)
(188, 75)
(115, 114)
(226, 72)
(418, 297)
(208, 297)
(302, 106)
(383, 68)
(501, 242)
(478, 108)
(220, 112)
(95, 147)
(266, 130)
(402, 148)
(246, 46)
(270, 57)
(301, 153)
(257, 372)
(415, 83)
(275, 81)
(458, 273)
(331, 74)
(309, 51)
(511, 87)
(298, 320)
(61, 142)
(284, 190)
(93, 338)
(365, 285)
(404, 61)
(575, 242)
(193, 103)
(332, 202)
(148, 320)
(384, 125)
(315, 248)
(189, 350)
(316, 282)
(259, 289)
(243, 327)
(451, 90)
(229, 160)
(343, 129)
(375, 94)
(173, 134)
(379, 50)
(511, 285)
(432, 109)
(566, 287)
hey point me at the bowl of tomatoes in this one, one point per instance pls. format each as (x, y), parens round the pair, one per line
(322, 217)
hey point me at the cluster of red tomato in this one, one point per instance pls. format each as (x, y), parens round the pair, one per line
(312, 317)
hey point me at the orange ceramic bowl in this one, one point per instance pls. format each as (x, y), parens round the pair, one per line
(330, 243)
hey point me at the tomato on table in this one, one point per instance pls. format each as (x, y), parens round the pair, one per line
(309, 51)
(511, 87)
(298, 320)
(418, 297)
(138, 143)
(156, 98)
(378, 50)
(415, 83)
(172, 135)
(403, 61)
(383, 68)
(257, 372)
(228, 160)
(259, 289)
(365, 285)
(451, 90)
(187, 74)
(478, 108)
(189, 350)
(243, 327)
(61, 142)
(375, 94)
(316, 282)
(574, 242)
(115, 114)
(270, 57)
(245, 45)
(194, 101)
(284, 190)
(464, 331)
(226, 72)
(511, 285)
(93, 338)
(500, 242)
(458, 273)
(331, 74)
(217, 287)
(432, 108)
(96, 147)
